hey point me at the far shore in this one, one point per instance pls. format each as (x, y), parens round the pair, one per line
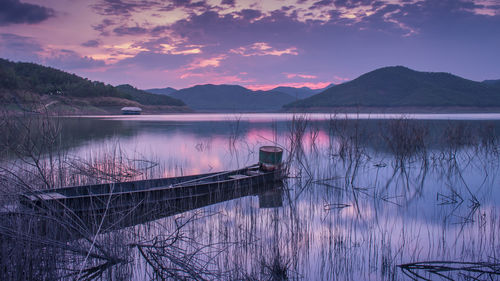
(397, 110)
(157, 110)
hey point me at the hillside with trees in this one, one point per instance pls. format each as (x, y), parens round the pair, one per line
(399, 86)
(29, 86)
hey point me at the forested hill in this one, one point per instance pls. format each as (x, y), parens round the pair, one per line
(399, 86)
(24, 82)
(46, 80)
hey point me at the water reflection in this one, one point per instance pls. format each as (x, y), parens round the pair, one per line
(362, 197)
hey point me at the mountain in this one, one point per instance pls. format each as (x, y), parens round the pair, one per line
(231, 98)
(493, 83)
(162, 91)
(47, 81)
(398, 86)
(300, 93)
(32, 87)
(146, 98)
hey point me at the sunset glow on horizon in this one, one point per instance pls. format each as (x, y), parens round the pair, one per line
(257, 44)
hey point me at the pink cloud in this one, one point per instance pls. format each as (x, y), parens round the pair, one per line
(263, 49)
(304, 76)
(206, 62)
(338, 79)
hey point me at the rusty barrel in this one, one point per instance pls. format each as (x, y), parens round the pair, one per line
(270, 157)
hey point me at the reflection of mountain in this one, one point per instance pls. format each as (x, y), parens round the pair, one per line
(75, 131)
(402, 87)
(373, 134)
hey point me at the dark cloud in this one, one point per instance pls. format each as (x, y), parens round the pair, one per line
(356, 3)
(19, 48)
(91, 43)
(249, 14)
(151, 60)
(228, 2)
(15, 12)
(122, 7)
(70, 60)
(127, 7)
(321, 3)
(226, 31)
(103, 26)
(125, 30)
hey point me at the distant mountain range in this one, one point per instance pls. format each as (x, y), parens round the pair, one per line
(399, 86)
(162, 91)
(25, 84)
(231, 98)
(237, 98)
(146, 98)
(301, 93)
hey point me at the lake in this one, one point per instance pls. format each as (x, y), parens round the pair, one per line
(364, 195)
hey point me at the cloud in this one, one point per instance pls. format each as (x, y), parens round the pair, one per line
(303, 76)
(70, 60)
(263, 49)
(228, 2)
(103, 26)
(19, 48)
(126, 8)
(250, 14)
(121, 7)
(187, 4)
(206, 62)
(152, 60)
(124, 30)
(91, 43)
(15, 12)
(337, 79)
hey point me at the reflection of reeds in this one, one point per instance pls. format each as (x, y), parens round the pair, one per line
(405, 138)
(451, 270)
(347, 215)
(54, 242)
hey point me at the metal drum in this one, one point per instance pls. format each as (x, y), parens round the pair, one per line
(270, 157)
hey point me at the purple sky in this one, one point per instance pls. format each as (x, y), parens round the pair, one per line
(257, 44)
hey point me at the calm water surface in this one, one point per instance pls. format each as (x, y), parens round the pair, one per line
(356, 205)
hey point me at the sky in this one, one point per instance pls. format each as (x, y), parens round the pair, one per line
(258, 44)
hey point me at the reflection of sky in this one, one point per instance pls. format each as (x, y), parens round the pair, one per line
(393, 215)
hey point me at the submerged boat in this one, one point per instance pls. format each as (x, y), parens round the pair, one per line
(179, 192)
(142, 192)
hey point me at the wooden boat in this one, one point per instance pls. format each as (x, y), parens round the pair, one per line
(177, 192)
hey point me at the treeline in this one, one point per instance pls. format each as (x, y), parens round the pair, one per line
(44, 80)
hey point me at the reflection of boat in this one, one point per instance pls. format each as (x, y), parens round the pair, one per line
(271, 199)
(66, 213)
(170, 191)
